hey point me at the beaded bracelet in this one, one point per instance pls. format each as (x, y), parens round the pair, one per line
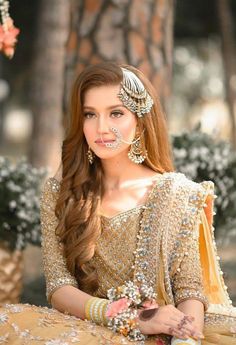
(95, 310)
(189, 341)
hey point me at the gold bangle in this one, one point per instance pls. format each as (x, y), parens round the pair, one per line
(95, 310)
(87, 308)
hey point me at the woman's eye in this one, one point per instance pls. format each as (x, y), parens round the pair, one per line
(116, 114)
(89, 115)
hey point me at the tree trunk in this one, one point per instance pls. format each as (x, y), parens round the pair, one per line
(48, 82)
(136, 32)
(228, 54)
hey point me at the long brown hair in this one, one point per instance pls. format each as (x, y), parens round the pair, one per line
(82, 184)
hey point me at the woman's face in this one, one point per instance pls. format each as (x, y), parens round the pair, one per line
(103, 110)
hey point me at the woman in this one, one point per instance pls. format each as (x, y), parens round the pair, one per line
(118, 222)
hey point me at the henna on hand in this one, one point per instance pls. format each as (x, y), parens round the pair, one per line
(148, 314)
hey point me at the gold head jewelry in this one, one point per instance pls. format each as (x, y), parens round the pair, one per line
(133, 94)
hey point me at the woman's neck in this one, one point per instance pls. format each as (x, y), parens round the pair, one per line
(119, 172)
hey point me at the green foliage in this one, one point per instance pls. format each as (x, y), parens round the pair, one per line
(200, 157)
(19, 203)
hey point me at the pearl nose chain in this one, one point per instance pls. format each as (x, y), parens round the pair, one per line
(119, 139)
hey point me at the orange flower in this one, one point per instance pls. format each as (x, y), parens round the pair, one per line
(8, 34)
(124, 331)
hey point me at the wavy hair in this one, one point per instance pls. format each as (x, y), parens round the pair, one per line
(82, 184)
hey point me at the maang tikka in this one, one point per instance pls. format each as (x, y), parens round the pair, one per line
(133, 94)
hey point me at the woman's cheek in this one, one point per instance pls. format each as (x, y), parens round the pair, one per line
(88, 132)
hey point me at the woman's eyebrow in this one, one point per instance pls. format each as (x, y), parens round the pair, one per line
(110, 107)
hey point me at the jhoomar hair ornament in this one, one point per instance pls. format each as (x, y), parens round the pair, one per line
(133, 94)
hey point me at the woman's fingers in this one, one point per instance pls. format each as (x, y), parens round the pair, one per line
(183, 328)
(192, 331)
(176, 333)
(174, 327)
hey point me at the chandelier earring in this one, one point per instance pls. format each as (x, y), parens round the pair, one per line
(136, 153)
(90, 156)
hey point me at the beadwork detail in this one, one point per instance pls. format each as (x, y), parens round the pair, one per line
(54, 263)
(134, 95)
(162, 236)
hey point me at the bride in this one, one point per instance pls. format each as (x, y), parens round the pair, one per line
(128, 246)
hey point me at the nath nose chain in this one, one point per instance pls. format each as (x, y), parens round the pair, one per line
(115, 144)
(119, 139)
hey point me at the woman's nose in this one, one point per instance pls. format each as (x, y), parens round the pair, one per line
(103, 125)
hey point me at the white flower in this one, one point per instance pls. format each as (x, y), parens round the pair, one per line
(4, 173)
(13, 187)
(22, 214)
(23, 198)
(2, 160)
(194, 153)
(12, 204)
(20, 243)
(180, 153)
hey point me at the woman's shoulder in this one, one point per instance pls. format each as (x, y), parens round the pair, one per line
(181, 182)
(52, 184)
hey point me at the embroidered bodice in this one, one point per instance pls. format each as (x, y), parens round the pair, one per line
(167, 242)
(157, 242)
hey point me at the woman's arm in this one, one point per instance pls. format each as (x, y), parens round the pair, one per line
(71, 300)
(62, 287)
(54, 263)
(193, 308)
(187, 281)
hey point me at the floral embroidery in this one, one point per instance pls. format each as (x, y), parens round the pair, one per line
(3, 318)
(4, 338)
(56, 342)
(172, 211)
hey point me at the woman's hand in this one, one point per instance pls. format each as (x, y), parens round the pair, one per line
(169, 320)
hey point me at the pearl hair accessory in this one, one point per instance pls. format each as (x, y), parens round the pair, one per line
(133, 94)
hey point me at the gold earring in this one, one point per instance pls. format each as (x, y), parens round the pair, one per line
(90, 156)
(136, 153)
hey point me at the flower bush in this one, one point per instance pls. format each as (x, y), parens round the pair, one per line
(19, 203)
(200, 157)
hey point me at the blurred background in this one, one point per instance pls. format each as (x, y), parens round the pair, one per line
(186, 48)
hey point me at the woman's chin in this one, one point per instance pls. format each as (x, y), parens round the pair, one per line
(110, 155)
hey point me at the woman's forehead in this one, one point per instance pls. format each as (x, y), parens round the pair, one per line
(106, 96)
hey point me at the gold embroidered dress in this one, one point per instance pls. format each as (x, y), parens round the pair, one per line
(168, 241)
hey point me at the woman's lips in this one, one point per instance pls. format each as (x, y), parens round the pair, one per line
(99, 142)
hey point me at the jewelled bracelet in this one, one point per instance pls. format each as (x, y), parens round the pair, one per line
(189, 341)
(122, 312)
(95, 310)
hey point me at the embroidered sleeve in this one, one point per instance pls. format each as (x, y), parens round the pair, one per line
(187, 280)
(55, 270)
